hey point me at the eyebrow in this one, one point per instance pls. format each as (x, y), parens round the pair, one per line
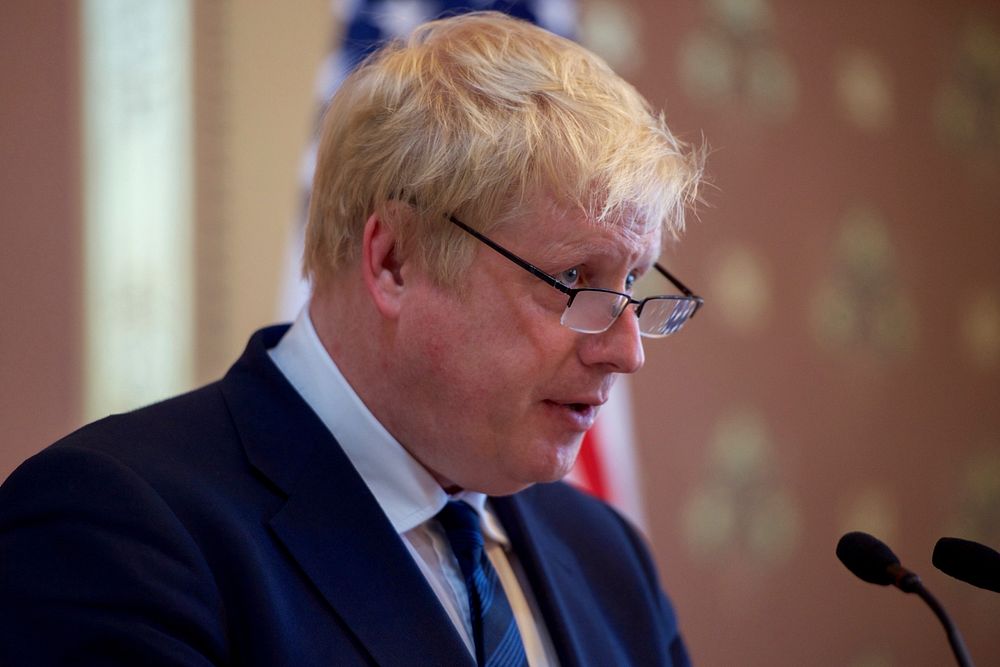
(562, 252)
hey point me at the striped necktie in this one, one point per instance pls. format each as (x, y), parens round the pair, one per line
(498, 642)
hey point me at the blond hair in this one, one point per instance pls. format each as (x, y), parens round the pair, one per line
(475, 115)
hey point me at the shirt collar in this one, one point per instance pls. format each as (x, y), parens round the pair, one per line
(403, 488)
(488, 522)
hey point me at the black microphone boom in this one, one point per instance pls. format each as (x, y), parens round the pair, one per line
(872, 561)
(969, 561)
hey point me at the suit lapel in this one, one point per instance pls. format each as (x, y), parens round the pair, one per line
(346, 545)
(332, 525)
(557, 583)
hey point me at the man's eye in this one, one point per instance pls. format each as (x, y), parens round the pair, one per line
(569, 276)
(630, 282)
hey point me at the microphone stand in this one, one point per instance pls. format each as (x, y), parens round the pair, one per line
(909, 582)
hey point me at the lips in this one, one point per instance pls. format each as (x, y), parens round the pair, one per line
(579, 415)
(594, 400)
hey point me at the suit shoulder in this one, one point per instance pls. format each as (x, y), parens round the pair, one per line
(564, 504)
(581, 520)
(171, 419)
(187, 438)
(180, 414)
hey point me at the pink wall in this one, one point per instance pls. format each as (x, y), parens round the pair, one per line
(863, 390)
(40, 217)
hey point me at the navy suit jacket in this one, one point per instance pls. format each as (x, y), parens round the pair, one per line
(227, 527)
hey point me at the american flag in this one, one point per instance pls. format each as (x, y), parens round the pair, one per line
(606, 466)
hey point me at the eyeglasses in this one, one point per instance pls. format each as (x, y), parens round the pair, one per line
(593, 310)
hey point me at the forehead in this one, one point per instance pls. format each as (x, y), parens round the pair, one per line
(567, 234)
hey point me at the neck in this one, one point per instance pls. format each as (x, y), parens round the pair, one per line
(364, 346)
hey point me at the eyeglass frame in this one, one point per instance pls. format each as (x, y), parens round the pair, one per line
(571, 292)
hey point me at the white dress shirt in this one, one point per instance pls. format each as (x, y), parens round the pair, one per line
(406, 491)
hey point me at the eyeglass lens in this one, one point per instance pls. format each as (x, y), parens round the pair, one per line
(592, 311)
(595, 311)
(662, 316)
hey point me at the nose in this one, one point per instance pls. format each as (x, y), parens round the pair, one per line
(619, 349)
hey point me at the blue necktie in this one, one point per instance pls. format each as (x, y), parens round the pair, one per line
(498, 642)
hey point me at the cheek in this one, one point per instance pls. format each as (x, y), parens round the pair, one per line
(492, 353)
(449, 354)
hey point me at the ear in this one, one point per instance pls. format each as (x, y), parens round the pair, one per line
(381, 265)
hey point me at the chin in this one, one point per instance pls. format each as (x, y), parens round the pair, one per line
(536, 475)
(541, 463)
(559, 472)
(559, 463)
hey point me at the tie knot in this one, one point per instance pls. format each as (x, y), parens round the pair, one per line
(461, 524)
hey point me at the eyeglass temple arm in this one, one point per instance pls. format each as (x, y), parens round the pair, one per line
(681, 286)
(542, 275)
(534, 270)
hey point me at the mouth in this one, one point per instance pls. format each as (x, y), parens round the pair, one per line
(579, 415)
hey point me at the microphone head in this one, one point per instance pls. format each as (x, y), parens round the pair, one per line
(867, 557)
(968, 561)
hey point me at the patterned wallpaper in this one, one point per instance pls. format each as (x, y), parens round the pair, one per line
(845, 373)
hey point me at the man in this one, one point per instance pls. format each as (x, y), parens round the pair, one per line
(373, 485)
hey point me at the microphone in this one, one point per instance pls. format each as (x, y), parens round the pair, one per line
(869, 559)
(872, 561)
(968, 561)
